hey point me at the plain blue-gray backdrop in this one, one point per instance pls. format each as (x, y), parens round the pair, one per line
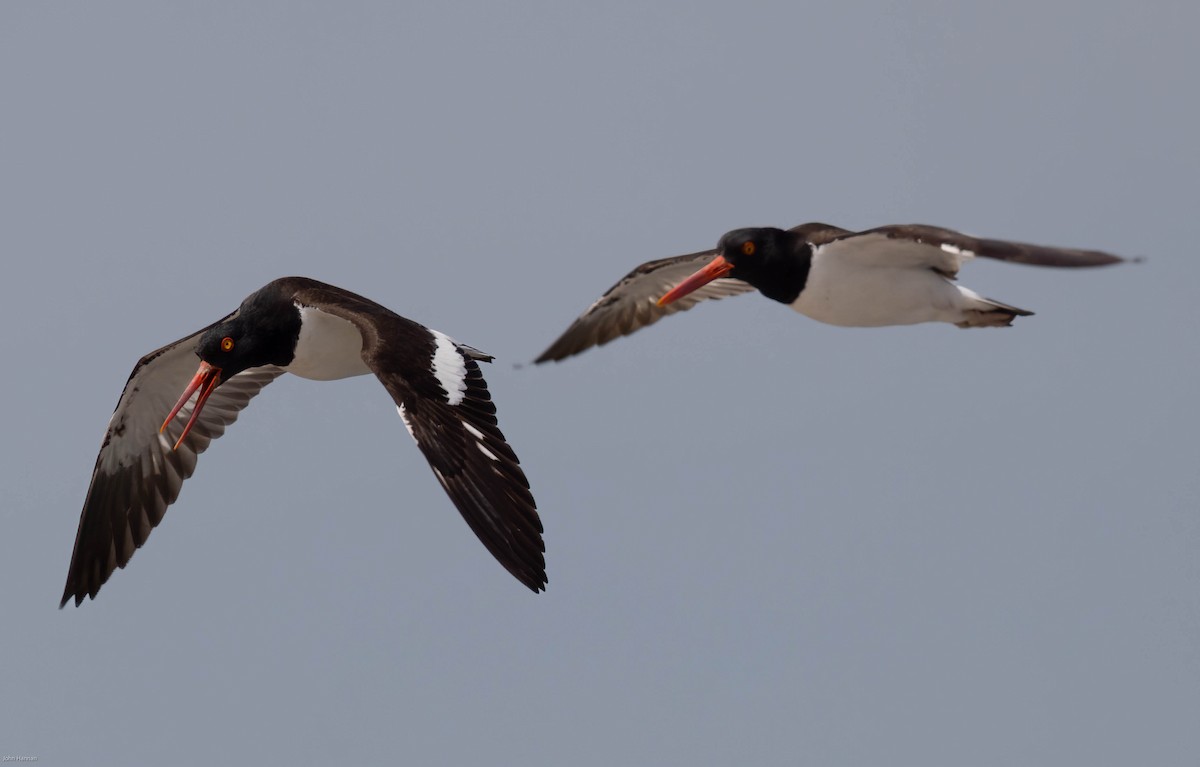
(769, 541)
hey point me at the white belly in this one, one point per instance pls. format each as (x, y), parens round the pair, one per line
(854, 295)
(329, 347)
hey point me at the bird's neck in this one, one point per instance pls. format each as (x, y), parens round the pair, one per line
(783, 272)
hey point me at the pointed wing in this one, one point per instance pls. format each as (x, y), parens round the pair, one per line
(965, 247)
(475, 465)
(445, 404)
(631, 304)
(137, 474)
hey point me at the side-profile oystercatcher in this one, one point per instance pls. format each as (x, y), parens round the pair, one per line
(891, 275)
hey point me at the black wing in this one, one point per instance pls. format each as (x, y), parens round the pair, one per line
(455, 428)
(965, 245)
(137, 474)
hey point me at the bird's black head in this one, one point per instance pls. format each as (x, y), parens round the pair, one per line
(770, 259)
(263, 331)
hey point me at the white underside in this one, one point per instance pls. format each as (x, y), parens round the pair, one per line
(877, 286)
(329, 347)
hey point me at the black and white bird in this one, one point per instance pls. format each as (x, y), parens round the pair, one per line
(892, 275)
(321, 332)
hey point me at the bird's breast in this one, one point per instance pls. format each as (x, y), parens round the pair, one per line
(328, 347)
(842, 292)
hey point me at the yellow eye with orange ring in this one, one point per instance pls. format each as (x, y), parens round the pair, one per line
(748, 248)
(226, 344)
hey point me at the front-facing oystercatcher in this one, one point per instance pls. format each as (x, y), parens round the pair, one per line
(892, 275)
(317, 331)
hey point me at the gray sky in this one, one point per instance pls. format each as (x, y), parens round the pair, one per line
(770, 541)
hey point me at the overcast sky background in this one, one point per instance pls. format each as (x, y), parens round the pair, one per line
(769, 541)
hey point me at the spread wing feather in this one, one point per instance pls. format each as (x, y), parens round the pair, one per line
(137, 474)
(631, 304)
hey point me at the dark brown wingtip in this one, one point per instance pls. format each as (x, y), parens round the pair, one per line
(536, 582)
(561, 349)
(73, 589)
(1100, 258)
(72, 592)
(1039, 255)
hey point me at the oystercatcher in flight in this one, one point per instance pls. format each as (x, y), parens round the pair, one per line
(317, 331)
(892, 275)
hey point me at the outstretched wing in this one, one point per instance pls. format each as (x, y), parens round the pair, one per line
(441, 395)
(138, 474)
(965, 246)
(631, 304)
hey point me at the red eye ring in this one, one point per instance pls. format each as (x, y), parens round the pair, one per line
(748, 248)
(226, 344)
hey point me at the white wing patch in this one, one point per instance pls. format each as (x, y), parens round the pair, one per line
(448, 367)
(407, 425)
(954, 250)
(477, 434)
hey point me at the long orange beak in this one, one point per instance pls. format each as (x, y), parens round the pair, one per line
(206, 379)
(715, 269)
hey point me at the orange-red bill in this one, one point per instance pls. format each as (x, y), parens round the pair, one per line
(206, 379)
(716, 269)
